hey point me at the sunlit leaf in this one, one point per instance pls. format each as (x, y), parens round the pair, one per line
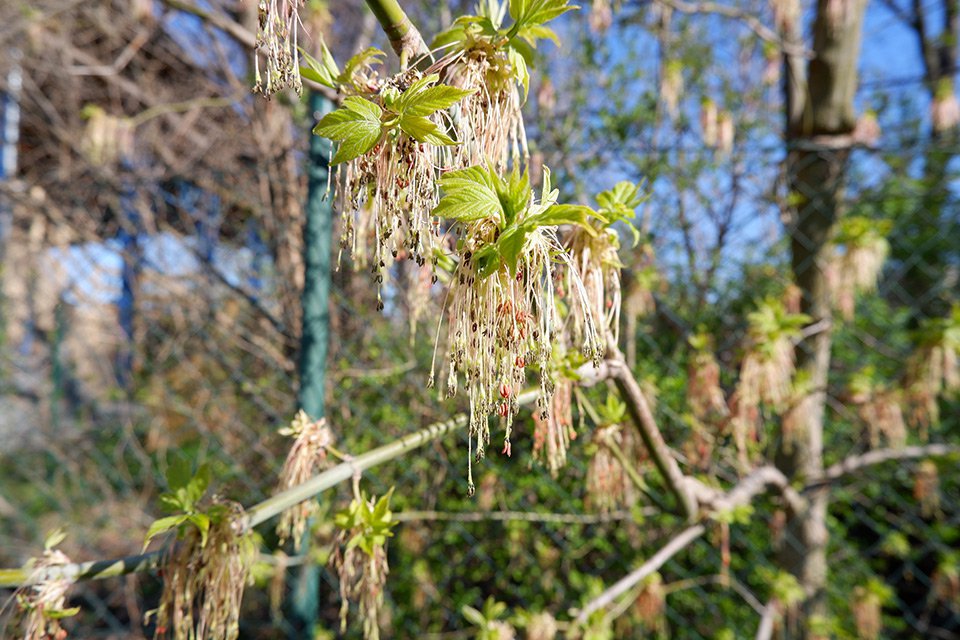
(162, 526)
(469, 194)
(424, 130)
(528, 13)
(323, 71)
(367, 57)
(356, 126)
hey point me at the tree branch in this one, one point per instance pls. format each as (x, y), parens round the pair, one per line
(770, 614)
(639, 409)
(853, 464)
(748, 19)
(677, 544)
(257, 514)
(518, 516)
(754, 484)
(404, 37)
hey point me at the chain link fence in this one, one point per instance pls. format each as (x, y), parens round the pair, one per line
(151, 263)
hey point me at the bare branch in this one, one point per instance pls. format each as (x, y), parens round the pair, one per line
(231, 28)
(624, 584)
(853, 464)
(755, 483)
(748, 19)
(257, 514)
(770, 614)
(639, 409)
(519, 516)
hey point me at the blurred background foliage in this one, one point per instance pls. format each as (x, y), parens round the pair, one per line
(151, 214)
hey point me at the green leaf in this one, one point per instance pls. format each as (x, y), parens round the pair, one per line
(197, 486)
(382, 510)
(356, 126)
(469, 194)
(367, 57)
(473, 616)
(528, 13)
(576, 214)
(323, 71)
(178, 473)
(535, 32)
(162, 526)
(620, 202)
(514, 194)
(430, 100)
(493, 609)
(487, 260)
(58, 614)
(521, 56)
(354, 541)
(510, 246)
(202, 523)
(423, 130)
(171, 502)
(54, 538)
(455, 34)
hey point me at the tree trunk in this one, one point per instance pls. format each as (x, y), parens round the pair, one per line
(820, 119)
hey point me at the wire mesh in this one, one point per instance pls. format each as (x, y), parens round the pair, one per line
(150, 311)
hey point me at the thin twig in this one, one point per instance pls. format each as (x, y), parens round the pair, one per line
(770, 614)
(853, 464)
(748, 19)
(519, 516)
(624, 584)
(642, 416)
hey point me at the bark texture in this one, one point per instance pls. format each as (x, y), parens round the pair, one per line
(820, 119)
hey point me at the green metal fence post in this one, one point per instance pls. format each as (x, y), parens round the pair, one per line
(315, 336)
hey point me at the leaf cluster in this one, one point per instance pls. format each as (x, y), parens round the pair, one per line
(479, 193)
(619, 205)
(183, 498)
(326, 72)
(360, 124)
(518, 41)
(372, 524)
(487, 620)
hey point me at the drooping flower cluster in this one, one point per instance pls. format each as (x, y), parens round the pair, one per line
(455, 128)
(934, 369)
(277, 41)
(492, 61)
(596, 260)
(313, 438)
(503, 314)
(204, 576)
(489, 121)
(360, 559)
(766, 372)
(855, 269)
(553, 432)
(43, 603)
(609, 486)
(879, 409)
(390, 155)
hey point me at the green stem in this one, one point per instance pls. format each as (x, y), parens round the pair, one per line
(404, 37)
(269, 508)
